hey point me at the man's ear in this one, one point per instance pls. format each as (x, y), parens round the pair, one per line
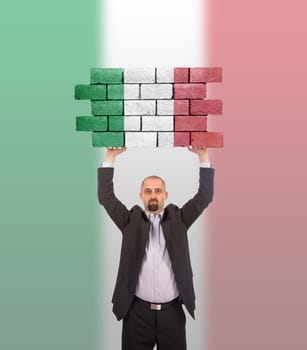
(140, 194)
(166, 195)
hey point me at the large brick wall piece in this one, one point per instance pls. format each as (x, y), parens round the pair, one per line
(150, 107)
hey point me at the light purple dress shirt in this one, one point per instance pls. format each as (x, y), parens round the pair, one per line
(156, 282)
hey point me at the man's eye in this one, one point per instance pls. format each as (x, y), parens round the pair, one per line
(158, 190)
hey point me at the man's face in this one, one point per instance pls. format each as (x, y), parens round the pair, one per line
(153, 194)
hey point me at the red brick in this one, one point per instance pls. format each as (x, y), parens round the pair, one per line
(204, 107)
(181, 75)
(206, 75)
(207, 139)
(184, 123)
(181, 107)
(191, 91)
(181, 139)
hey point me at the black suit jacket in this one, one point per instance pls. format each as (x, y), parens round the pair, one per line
(134, 226)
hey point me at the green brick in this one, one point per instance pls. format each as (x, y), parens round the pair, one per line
(106, 75)
(107, 107)
(108, 139)
(91, 123)
(116, 123)
(115, 92)
(90, 92)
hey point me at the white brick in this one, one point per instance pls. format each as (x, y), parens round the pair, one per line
(165, 75)
(140, 139)
(131, 91)
(139, 75)
(165, 107)
(157, 123)
(132, 123)
(156, 91)
(140, 107)
(165, 139)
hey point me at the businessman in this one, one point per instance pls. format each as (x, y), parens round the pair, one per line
(155, 276)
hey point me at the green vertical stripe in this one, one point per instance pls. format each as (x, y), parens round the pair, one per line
(49, 239)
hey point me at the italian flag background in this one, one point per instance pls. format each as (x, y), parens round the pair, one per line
(59, 251)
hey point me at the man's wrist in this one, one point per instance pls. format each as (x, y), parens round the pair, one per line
(107, 165)
(204, 158)
(205, 164)
(109, 159)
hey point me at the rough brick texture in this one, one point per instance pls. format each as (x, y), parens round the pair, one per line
(206, 75)
(207, 139)
(107, 107)
(91, 123)
(156, 91)
(204, 107)
(141, 139)
(132, 123)
(181, 107)
(165, 75)
(165, 139)
(190, 123)
(181, 75)
(90, 92)
(108, 139)
(181, 139)
(116, 123)
(165, 107)
(189, 91)
(139, 75)
(140, 107)
(155, 123)
(106, 76)
(150, 107)
(131, 91)
(115, 92)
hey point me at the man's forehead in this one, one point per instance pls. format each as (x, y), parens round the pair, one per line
(153, 183)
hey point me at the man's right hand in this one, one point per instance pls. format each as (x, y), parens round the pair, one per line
(112, 153)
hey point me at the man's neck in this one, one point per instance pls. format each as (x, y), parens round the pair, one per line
(154, 213)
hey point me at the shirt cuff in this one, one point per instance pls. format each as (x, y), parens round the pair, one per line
(107, 165)
(205, 165)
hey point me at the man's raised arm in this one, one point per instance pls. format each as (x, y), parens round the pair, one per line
(114, 207)
(195, 206)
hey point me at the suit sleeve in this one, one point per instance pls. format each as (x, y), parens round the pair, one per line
(192, 209)
(114, 207)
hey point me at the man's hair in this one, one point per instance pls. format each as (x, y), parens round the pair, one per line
(152, 177)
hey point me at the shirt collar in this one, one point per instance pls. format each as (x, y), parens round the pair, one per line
(160, 215)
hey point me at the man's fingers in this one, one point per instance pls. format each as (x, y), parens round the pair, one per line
(115, 147)
(196, 148)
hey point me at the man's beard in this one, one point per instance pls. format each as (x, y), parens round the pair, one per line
(153, 205)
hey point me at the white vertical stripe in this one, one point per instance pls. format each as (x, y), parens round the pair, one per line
(153, 33)
(160, 33)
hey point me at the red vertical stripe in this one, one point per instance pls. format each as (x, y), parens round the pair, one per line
(258, 230)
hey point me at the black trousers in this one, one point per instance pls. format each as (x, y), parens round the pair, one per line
(144, 328)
